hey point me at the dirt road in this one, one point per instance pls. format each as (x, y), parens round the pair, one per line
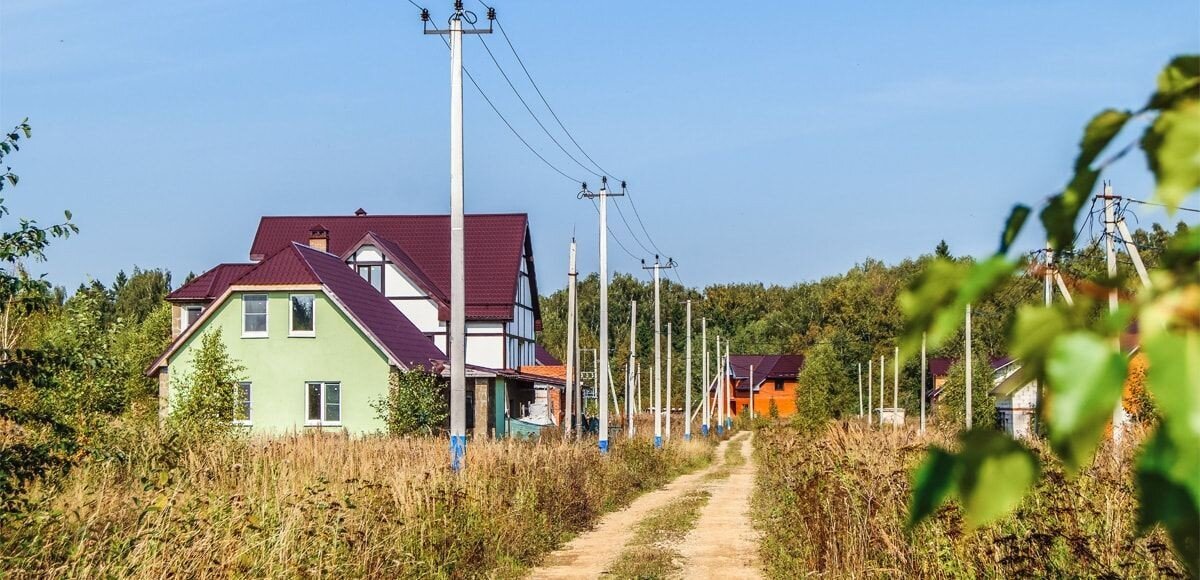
(592, 553)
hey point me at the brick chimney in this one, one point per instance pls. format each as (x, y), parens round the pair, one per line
(318, 238)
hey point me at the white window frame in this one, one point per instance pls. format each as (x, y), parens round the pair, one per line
(183, 316)
(292, 332)
(237, 395)
(321, 422)
(266, 316)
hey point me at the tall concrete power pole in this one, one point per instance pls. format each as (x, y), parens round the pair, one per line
(667, 410)
(687, 381)
(704, 424)
(969, 368)
(457, 347)
(630, 404)
(603, 377)
(569, 422)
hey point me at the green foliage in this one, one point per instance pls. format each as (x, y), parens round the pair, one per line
(951, 406)
(989, 476)
(415, 404)
(1072, 351)
(141, 294)
(822, 381)
(204, 401)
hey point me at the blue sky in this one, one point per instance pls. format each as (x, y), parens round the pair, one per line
(762, 142)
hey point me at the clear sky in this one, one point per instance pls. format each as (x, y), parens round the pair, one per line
(772, 142)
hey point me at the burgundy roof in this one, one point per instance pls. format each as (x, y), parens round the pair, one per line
(494, 243)
(543, 356)
(211, 284)
(770, 366)
(373, 312)
(940, 366)
(297, 263)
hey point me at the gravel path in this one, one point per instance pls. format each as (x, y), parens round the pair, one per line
(591, 553)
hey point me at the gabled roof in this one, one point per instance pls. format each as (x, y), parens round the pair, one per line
(771, 366)
(543, 357)
(211, 284)
(392, 251)
(494, 245)
(298, 265)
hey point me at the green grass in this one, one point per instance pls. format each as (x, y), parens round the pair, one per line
(651, 553)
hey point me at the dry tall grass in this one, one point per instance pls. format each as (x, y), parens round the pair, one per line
(325, 506)
(836, 505)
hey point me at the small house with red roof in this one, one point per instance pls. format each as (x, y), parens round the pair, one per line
(774, 383)
(401, 262)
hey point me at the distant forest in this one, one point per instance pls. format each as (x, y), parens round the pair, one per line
(855, 312)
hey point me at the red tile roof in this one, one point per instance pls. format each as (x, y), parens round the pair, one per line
(211, 284)
(494, 244)
(771, 366)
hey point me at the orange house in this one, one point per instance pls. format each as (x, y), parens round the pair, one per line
(775, 381)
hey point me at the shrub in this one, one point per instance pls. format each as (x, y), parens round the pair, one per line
(415, 403)
(206, 398)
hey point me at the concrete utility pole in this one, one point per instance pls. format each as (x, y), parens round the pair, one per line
(728, 384)
(687, 381)
(603, 378)
(922, 382)
(870, 389)
(657, 357)
(570, 404)
(882, 378)
(720, 391)
(629, 386)
(704, 347)
(752, 393)
(896, 390)
(969, 370)
(457, 347)
(1110, 249)
(860, 401)
(667, 411)
(579, 418)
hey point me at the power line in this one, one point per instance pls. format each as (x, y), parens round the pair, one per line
(1161, 205)
(509, 125)
(528, 108)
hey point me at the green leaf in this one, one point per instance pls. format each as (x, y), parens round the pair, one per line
(1173, 377)
(932, 483)
(1180, 78)
(1032, 334)
(1172, 147)
(1059, 215)
(67, 214)
(1012, 227)
(996, 472)
(1085, 375)
(1098, 134)
(935, 302)
(1168, 487)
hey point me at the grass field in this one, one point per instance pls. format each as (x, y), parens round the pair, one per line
(324, 506)
(835, 504)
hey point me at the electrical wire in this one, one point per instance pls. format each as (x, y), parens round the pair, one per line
(1161, 205)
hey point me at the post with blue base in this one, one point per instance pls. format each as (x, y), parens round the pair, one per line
(704, 430)
(604, 446)
(657, 442)
(458, 450)
(720, 430)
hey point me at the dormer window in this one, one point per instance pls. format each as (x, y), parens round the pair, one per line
(189, 316)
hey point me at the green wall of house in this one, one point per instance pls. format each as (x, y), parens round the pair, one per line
(279, 366)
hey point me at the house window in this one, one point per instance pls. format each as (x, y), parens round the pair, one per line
(190, 315)
(778, 384)
(243, 398)
(303, 322)
(324, 403)
(372, 274)
(254, 315)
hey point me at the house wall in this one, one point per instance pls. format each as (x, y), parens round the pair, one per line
(1017, 410)
(278, 366)
(519, 333)
(486, 340)
(785, 400)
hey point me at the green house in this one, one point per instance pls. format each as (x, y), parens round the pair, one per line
(317, 340)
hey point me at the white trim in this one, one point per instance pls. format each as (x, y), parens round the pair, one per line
(183, 315)
(249, 420)
(266, 316)
(292, 332)
(321, 422)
